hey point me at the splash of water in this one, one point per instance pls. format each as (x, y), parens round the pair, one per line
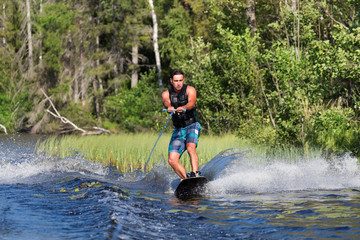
(239, 172)
(35, 168)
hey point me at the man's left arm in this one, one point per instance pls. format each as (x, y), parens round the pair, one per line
(191, 92)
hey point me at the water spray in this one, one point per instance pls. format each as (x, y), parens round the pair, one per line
(119, 225)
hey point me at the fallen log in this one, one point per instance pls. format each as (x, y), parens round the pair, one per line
(97, 131)
(56, 114)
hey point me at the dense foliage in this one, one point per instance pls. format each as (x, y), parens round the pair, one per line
(277, 72)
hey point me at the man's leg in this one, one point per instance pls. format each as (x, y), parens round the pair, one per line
(194, 159)
(192, 138)
(176, 165)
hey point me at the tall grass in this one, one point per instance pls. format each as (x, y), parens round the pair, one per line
(129, 152)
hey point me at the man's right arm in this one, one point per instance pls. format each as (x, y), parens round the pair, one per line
(166, 100)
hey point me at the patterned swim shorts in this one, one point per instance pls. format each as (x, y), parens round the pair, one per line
(182, 136)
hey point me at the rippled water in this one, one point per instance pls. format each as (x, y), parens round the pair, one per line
(247, 198)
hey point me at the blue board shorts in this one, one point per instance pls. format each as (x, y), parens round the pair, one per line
(182, 136)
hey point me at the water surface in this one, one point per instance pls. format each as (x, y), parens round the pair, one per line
(247, 198)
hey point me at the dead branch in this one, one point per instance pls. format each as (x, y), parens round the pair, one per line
(98, 130)
(2, 126)
(57, 114)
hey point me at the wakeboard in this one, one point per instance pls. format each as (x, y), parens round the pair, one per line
(191, 188)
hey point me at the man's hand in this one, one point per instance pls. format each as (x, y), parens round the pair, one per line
(180, 109)
(171, 108)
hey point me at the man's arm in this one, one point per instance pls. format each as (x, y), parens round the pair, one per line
(166, 100)
(191, 92)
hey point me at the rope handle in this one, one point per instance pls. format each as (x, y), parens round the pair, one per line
(165, 110)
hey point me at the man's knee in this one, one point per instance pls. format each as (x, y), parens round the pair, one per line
(173, 158)
(172, 161)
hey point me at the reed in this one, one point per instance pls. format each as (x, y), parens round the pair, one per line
(129, 152)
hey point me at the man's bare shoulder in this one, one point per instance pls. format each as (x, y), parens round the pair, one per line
(165, 93)
(190, 89)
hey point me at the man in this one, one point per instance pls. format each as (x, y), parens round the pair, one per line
(181, 98)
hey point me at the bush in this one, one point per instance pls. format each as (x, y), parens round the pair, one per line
(257, 133)
(5, 112)
(138, 108)
(335, 131)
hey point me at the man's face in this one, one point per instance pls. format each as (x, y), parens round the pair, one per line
(178, 82)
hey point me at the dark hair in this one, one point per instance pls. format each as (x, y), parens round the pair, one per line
(176, 72)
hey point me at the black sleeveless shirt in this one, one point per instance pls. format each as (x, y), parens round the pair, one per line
(183, 119)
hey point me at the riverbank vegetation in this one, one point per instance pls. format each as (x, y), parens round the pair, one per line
(130, 152)
(280, 72)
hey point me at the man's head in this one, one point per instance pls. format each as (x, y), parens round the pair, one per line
(177, 79)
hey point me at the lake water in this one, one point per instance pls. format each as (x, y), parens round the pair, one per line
(247, 198)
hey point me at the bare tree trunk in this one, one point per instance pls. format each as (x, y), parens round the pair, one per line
(155, 41)
(295, 8)
(283, 15)
(3, 127)
(115, 52)
(83, 84)
(40, 54)
(96, 95)
(29, 36)
(66, 73)
(293, 5)
(250, 15)
(331, 22)
(96, 99)
(3, 24)
(298, 30)
(76, 94)
(135, 62)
